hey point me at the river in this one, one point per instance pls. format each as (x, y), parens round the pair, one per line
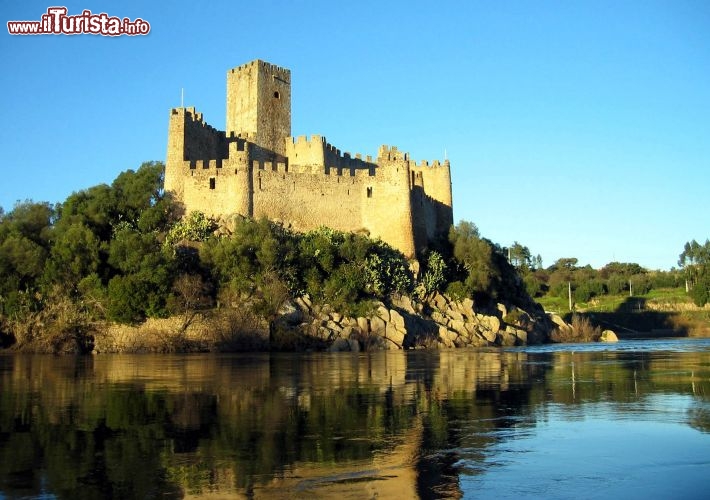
(630, 420)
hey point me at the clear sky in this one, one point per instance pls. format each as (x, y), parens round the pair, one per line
(579, 129)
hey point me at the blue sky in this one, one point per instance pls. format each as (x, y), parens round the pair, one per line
(579, 129)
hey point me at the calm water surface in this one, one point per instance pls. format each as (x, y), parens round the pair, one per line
(627, 420)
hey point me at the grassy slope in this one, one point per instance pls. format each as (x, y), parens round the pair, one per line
(663, 309)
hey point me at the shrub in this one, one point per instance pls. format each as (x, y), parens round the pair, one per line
(582, 331)
(457, 290)
(587, 290)
(640, 283)
(617, 284)
(434, 274)
(195, 227)
(700, 293)
(533, 285)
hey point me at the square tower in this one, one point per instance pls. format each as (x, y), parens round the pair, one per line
(259, 104)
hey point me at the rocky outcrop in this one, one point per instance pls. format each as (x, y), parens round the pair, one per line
(405, 323)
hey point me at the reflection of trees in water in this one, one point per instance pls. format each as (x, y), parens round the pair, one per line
(473, 399)
(138, 426)
(699, 418)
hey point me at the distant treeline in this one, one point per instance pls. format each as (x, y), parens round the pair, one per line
(614, 278)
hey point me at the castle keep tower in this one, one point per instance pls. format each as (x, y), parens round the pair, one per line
(259, 104)
(256, 169)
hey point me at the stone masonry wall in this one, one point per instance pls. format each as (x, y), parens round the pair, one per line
(259, 104)
(256, 169)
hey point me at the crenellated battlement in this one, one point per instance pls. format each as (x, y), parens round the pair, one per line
(277, 71)
(302, 139)
(256, 168)
(391, 153)
(206, 164)
(273, 166)
(236, 145)
(191, 115)
(435, 164)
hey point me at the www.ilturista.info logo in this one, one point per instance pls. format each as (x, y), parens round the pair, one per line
(57, 22)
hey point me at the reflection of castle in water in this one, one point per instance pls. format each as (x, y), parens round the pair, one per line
(316, 425)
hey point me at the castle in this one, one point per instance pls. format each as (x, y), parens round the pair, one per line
(255, 168)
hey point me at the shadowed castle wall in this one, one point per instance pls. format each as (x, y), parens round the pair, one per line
(431, 201)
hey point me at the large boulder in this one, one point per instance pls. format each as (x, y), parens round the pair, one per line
(377, 325)
(448, 336)
(340, 345)
(304, 303)
(558, 321)
(384, 313)
(458, 326)
(291, 313)
(439, 318)
(490, 323)
(363, 324)
(467, 306)
(506, 337)
(397, 320)
(440, 302)
(394, 335)
(608, 336)
(405, 303)
(333, 326)
(454, 314)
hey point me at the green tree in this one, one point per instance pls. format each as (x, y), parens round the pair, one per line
(137, 193)
(475, 255)
(564, 263)
(346, 270)
(30, 220)
(700, 293)
(534, 284)
(74, 255)
(520, 257)
(94, 208)
(24, 247)
(560, 274)
(483, 268)
(624, 269)
(695, 260)
(191, 296)
(143, 276)
(617, 284)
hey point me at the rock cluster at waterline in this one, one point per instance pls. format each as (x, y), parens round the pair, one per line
(438, 321)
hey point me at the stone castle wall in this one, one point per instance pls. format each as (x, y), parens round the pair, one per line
(257, 169)
(259, 104)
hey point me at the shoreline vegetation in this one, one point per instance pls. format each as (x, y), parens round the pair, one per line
(119, 269)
